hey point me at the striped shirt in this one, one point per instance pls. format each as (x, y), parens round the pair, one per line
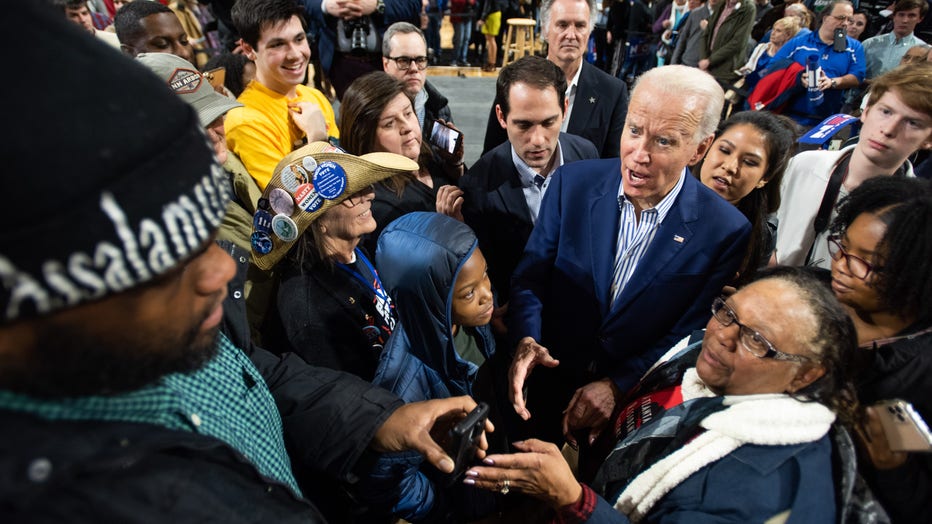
(533, 193)
(634, 236)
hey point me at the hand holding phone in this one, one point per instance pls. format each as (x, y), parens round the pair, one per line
(903, 426)
(445, 137)
(465, 438)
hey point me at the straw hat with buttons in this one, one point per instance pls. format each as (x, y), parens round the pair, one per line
(304, 185)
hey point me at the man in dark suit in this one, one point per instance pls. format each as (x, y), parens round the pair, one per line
(502, 191)
(597, 101)
(624, 260)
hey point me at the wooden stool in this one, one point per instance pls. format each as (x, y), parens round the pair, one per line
(520, 39)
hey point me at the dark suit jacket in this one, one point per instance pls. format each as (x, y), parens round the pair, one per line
(561, 289)
(495, 208)
(598, 113)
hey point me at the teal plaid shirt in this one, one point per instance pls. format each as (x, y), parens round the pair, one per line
(227, 399)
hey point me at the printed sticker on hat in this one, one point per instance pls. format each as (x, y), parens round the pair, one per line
(293, 176)
(281, 201)
(262, 221)
(330, 180)
(333, 149)
(261, 243)
(284, 228)
(309, 163)
(307, 198)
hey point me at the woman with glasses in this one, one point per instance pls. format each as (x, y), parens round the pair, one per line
(733, 428)
(333, 308)
(378, 115)
(882, 274)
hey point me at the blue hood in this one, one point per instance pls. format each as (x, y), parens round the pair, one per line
(419, 256)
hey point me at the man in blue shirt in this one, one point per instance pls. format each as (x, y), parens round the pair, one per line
(841, 69)
(884, 52)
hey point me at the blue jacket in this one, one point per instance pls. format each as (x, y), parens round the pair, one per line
(797, 478)
(561, 289)
(419, 256)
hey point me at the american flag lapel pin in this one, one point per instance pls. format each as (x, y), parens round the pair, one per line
(677, 238)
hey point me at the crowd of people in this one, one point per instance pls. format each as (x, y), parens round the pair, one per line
(673, 309)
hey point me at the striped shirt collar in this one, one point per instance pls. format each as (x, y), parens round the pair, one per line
(527, 173)
(662, 207)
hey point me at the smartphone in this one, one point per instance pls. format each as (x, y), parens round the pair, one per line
(464, 440)
(839, 40)
(216, 77)
(903, 426)
(445, 137)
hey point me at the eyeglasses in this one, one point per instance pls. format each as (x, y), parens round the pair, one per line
(843, 18)
(404, 62)
(858, 267)
(753, 342)
(358, 197)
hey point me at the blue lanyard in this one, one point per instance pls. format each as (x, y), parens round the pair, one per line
(377, 289)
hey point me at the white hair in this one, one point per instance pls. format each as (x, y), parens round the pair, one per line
(547, 5)
(684, 83)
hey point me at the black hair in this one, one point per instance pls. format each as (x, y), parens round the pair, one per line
(834, 340)
(535, 71)
(69, 4)
(251, 16)
(779, 133)
(127, 20)
(904, 205)
(234, 65)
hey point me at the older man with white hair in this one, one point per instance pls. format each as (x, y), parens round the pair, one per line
(623, 260)
(597, 102)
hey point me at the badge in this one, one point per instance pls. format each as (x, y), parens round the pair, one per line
(309, 164)
(263, 204)
(262, 221)
(292, 177)
(285, 228)
(333, 149)
(281, 201)
(307, 198)
(261, 243)
(330, 180)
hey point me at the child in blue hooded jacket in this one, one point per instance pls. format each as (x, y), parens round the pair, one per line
(432, 267)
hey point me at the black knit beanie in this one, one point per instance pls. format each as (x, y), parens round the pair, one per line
(108, 180)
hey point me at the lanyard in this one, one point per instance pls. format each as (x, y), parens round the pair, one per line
(377, 289)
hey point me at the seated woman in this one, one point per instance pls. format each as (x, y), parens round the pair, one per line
(331, 305)
(377, 115)
(734, 428)
(783, 30)
(881, 274)
(745, 165)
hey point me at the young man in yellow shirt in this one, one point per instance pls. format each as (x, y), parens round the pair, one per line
(279, 112)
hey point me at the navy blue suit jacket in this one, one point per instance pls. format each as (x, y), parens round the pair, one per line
(561, 289)
(495, 208)
(598, 115)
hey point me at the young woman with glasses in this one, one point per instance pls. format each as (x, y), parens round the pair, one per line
(882, 274)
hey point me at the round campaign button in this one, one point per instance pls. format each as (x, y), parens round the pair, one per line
(309, 164)
(282, 202)
(284, 228)
(293, 176)
(263, 204)
(330, 180)
(307, 198)
(261, 243)
(262, 221)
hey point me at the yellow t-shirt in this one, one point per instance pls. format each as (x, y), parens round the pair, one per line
(261, 133)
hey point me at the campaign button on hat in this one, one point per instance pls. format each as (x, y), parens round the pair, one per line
(284, 228)
(293, 176)
(261, 243)
(330, 180)
(263, 204)
(282, 202)
(307, 198)
(262, 221)
(309, 163)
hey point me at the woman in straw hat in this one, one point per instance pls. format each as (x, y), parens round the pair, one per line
(332, 308)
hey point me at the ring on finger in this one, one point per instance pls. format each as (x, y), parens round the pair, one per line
(506, 484)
